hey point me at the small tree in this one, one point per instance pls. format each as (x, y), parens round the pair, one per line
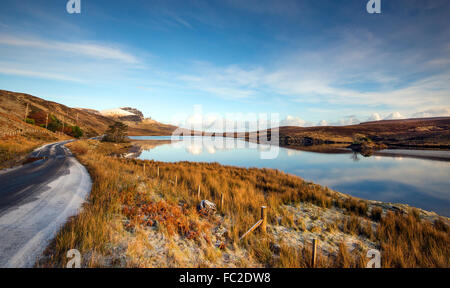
(116, 133)
(54, 124)
(75, 131)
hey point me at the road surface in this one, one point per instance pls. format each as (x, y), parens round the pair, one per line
(36, 199)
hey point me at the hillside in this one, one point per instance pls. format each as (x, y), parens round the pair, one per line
(15, 105)
(419, 132)
(149, 127)
(137, 124)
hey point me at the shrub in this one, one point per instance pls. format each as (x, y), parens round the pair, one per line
(30, 121)
(376, 213)
(116, 133)
(76, 132)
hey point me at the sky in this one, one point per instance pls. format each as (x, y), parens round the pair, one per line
(312, 62)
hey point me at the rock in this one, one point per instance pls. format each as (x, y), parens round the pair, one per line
(137, 117)
(221, 232)
(276, 249)
(207, 206)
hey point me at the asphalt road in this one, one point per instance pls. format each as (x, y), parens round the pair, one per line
(36, 199)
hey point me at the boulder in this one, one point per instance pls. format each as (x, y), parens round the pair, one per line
(207, 207)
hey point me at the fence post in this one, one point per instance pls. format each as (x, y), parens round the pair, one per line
(314, 252)
(221, 201)
(198, 193)
(158, 171)
(176, 180)
(144, 168)
(264, 218)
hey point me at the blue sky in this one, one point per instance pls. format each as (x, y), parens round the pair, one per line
(313, 62)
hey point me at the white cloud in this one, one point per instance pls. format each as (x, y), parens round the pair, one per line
(322, 123)
(434, 112)
(374, 117)
(349, 120)
(335, 74)
(394, 116)
(88, 49)
(294, 121)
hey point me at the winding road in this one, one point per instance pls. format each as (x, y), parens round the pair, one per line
(36, 199)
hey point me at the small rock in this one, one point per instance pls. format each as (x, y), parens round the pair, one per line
(276, 249)
(207, 206)
(156, 224)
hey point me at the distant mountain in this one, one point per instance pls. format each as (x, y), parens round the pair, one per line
(124, 114)
(135, 112)
(137, 124)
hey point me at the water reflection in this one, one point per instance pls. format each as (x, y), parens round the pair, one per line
(417, 182)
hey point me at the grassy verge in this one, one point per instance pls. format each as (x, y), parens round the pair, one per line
(13, 149)
(139, 217)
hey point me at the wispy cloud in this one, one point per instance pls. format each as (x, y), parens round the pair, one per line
(359, 70)
(433, 112)
(36, 74)
(96, 51)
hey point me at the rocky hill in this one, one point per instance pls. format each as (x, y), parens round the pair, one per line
(137, 124)
(137, 116)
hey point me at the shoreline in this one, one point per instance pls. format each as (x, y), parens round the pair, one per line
(426, 153)
(137, 147)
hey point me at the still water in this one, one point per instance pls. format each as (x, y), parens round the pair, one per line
(418, 182)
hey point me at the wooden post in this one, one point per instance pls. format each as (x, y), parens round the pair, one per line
(158, 171)
(176, 180)
(221, 201)
(26, 113)
(264, 219)
(46, 122)
(314, 253)
(144, 168)
(198, 193)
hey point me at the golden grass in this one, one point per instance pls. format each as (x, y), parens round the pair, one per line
(407, 242)
(127, 198)
(14, 148)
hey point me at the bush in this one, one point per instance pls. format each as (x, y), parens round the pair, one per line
(30, 121)
(54, 124)
(76, 132)
(116, 133)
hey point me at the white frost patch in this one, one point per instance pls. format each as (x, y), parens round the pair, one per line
(116, 112)
(28, 228)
